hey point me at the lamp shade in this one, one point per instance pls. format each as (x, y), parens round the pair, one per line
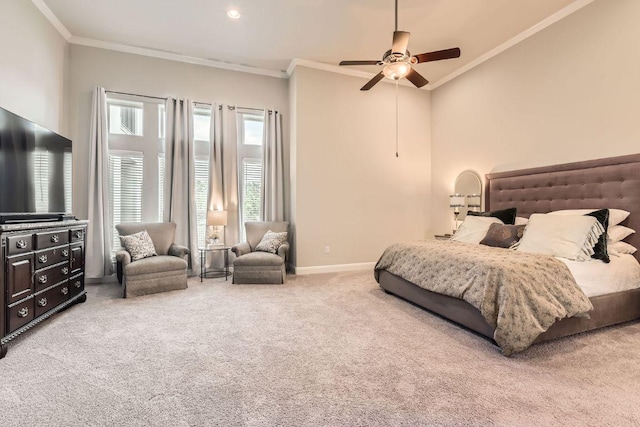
(473, 200)
(456, 201)
(216, 218)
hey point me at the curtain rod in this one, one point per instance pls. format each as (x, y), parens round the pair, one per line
(231, 107)
(135, 94)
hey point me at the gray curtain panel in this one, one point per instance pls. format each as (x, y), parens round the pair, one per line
(179, 190)
(223, 168)
(272, 168)
(98, 253)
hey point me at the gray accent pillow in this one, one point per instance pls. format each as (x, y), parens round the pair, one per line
(503, 236)
(271, 241)
(139, 245)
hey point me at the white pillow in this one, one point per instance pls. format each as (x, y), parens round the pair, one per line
(474, 228)
(618, 232)
(621, 248)
(616, 216)
(520, 220)
(565, 236)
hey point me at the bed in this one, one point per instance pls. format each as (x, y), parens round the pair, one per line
(603, 183)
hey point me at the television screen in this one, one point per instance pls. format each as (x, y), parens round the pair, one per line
(35, 168)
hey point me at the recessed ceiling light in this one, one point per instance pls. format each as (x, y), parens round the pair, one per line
(233, 14)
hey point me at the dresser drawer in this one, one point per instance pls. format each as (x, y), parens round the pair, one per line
(52, 256)
(51, 298)
(76, 285)
(20, 314)
(51, 276)
(50, 239)
(77, 234)
(19, 244)
(19, 277)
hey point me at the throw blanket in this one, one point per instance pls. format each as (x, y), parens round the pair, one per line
(519, 294)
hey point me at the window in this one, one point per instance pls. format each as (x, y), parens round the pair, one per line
(125, 117)
(202, 144)
(136, 160)
(250, 135)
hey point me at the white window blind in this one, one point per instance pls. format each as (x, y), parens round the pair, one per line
(251, 189)
(161, 167)
(126, 170)
(202, 191)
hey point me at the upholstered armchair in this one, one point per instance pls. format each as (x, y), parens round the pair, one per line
(253, 266)
(165, 272)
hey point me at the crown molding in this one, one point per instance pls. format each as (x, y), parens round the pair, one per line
(53, 19)
(174, 57)
(562, 13)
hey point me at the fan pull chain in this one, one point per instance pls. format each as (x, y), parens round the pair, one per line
(396, 118)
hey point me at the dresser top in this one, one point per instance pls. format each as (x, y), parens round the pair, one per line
(37, 225)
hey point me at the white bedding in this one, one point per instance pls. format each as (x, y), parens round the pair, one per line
(597, 278)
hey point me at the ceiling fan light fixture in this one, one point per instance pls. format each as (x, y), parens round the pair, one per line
(233, 14)
(396, 70)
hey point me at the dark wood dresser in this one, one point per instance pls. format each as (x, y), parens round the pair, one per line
(43, 273)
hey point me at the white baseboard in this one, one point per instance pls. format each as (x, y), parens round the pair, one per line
(338, 268)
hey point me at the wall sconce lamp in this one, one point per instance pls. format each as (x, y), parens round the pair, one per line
(456, 201)
(217, 219)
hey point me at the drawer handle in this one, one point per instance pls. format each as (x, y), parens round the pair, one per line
(23, 312)
(55, 238)
(21, 244)
(64, 291)
(42, 279)
(78, 284)
(42, 259)
(78, 234)
(65, 270)
(65, 253)
(42, 302)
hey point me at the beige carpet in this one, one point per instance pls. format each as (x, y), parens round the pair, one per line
(322, 350)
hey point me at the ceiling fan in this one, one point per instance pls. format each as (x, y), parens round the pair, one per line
(397, 62)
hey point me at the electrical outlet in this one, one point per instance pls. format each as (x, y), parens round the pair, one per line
(327, 249)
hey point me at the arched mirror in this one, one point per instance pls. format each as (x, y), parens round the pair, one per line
(469, 186)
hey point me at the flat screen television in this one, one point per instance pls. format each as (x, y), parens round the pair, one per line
(35, 171)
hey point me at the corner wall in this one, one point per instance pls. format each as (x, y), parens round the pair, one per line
(351, 193)
(33, 63)
(568, 93)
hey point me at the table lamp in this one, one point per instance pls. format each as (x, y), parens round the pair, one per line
(456, 201)
(216, 219)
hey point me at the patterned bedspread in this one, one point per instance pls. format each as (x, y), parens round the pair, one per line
(519, 294)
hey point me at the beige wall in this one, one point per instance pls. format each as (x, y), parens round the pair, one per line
(351, 192)
(569, 93)
(33, 58)
(90, 67)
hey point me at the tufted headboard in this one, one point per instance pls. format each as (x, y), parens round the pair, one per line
(613, 182)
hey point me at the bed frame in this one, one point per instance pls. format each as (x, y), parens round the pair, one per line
(604, 183)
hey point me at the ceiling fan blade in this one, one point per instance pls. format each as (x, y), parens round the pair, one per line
(371, 83)
(359, 62)
(415, 78)
(438, 55)
(400, 42)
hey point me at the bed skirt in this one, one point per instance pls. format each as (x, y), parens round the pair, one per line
(608, 310)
